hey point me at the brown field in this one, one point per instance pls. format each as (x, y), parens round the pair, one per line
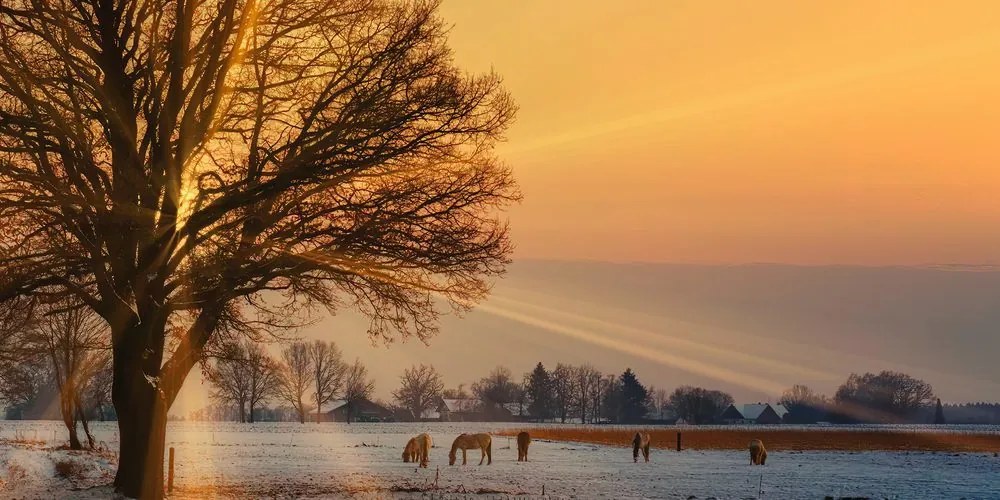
(778, 439)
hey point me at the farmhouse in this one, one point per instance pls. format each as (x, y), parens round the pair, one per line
(756, 413)
(364, 410)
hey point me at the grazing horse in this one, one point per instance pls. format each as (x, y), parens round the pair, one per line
(640, 441)
(418, 448)
(471, 442)
(410, 451)
(523, 440)
(758, 455)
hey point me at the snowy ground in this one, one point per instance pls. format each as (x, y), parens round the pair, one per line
(337, 460)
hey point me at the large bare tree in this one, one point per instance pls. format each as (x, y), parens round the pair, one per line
(419, 389)
(167, 163)
(296, 378)
(329, 370)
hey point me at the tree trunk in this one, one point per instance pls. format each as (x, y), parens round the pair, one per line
(68, 416)
(142, 423)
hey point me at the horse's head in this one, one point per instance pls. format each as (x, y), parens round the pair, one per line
(451, 457)
(636, 444)
(406, 455)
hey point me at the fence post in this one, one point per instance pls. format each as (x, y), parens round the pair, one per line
(170, 472)
(678, 441)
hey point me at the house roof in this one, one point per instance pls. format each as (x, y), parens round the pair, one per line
(753, 411)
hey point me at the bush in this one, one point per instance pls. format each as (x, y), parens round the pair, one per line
(69, 469)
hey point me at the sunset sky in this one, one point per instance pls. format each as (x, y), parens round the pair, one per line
(851, 132)
(819, 133)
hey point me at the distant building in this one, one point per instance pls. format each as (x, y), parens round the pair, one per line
(756, 413)
(364, 410)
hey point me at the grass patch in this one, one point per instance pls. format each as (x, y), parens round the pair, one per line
(775, 438)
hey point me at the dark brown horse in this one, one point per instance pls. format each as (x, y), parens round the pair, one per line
(640, 442)
(523, 440)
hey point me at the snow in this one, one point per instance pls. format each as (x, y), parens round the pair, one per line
(332, 460)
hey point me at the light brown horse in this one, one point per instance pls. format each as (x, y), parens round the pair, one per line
(758, 455)
(640, 442)
(410, 451)
(471, 442)
(523, 440)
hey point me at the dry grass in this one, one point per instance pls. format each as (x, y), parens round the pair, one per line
(778, 439)
(70, 469)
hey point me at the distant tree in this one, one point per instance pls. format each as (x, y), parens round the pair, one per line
(659, 399)
(611, 401)
(456, 393)
(73, 342)
(97, 392)
(539, 392)
(939, 413)
(419, 389)
(296, 378)
(229, 377)
(634, 398)
(329, 370)
(264, 374)
(496, 389)
(585, 377)
(357, 387)
(697, 405)
(884, 397)
(804, 406)
(562, 389)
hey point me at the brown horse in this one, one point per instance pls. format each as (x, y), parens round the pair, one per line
(523, 440)
(640, 442)
(410, 451)
(471, 442)
(758, 455)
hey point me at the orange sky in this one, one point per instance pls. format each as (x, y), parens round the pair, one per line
(782, 131)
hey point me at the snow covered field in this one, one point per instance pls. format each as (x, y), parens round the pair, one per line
(338, 460)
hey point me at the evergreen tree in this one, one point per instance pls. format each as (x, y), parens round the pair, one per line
(634, 398)
(939, 413)
(539, 392)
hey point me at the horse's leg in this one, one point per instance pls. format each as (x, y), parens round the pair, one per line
(482, 458)
(464, 457)
(645, 452)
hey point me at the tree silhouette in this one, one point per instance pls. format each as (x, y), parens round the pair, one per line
(539, 392)
(196, 170)
(634, 398)
(884, 397)
(939, 413)
(419, 389)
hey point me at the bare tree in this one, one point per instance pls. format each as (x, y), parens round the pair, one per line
(562, 389)
(357, 387)
(168, 162)
(329, 370)
(697, 405)
(419, 389)
(230, 378)
(296, 378)
(264, 377)
(659, 401)
(496, 390)
(584, 378)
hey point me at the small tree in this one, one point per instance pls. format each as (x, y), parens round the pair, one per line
(634, 398)
(939, 413)
(357, 387)
(230, 378)
(539, 393)
(265, 378)
(804, 406)
(419, 390)
(296, 378)
(496, 389)
(456, 393)
(584, 378)
(562, 389)
(328, 372)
